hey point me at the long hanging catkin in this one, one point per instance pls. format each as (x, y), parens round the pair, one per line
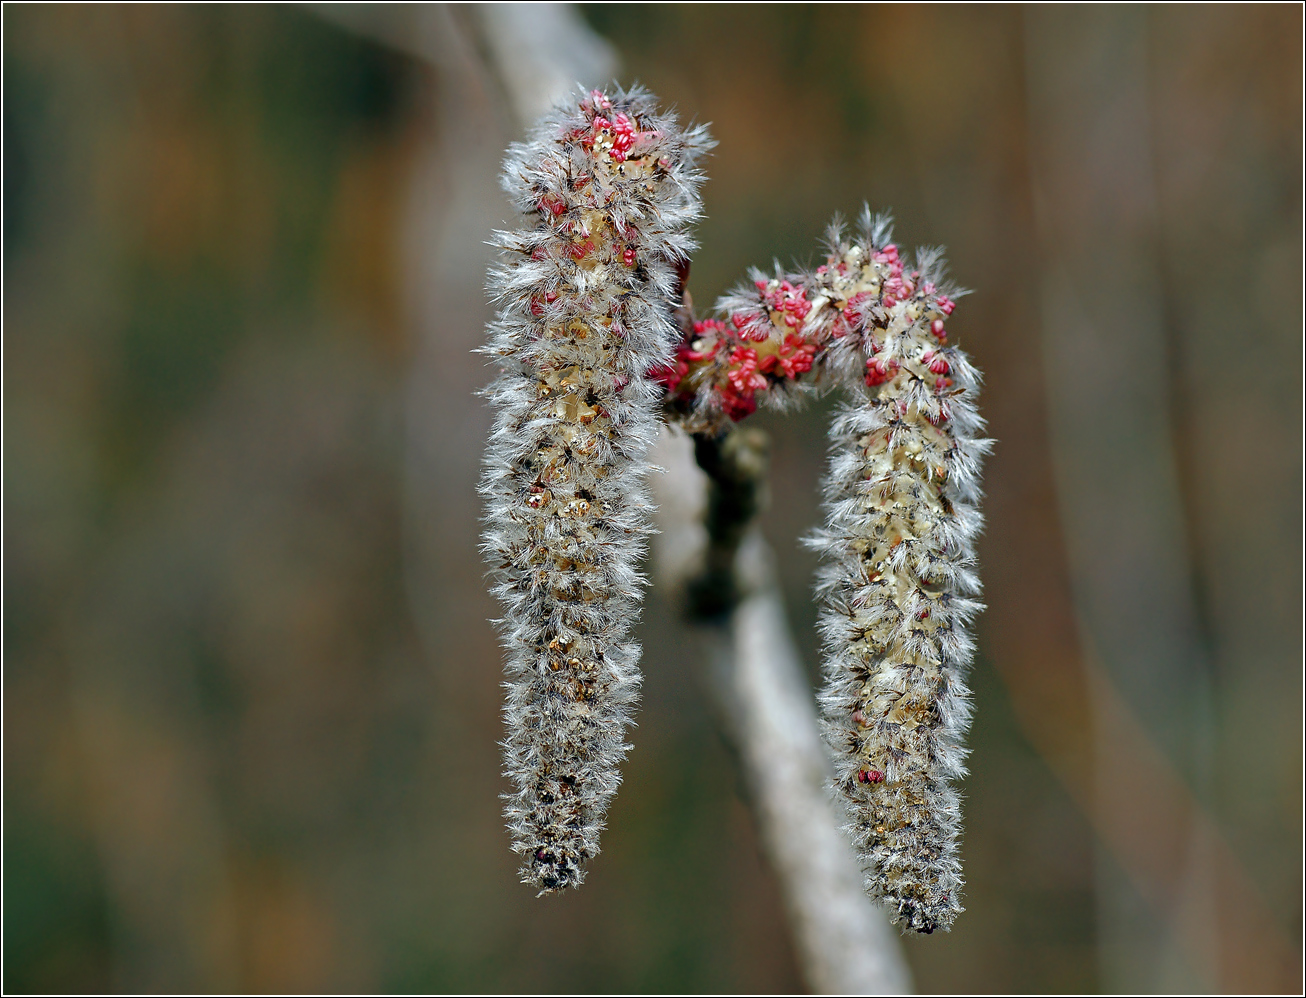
(898, 581)
(586, 293)
(901, 502)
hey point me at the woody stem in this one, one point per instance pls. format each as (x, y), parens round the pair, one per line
(736, 465)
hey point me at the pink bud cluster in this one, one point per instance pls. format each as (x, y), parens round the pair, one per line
(775, 332)
(615, 137)
(739, 360)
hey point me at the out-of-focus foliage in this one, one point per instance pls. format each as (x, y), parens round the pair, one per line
(231, 762)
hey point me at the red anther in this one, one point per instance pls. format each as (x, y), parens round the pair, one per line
(735, 405)
(850, 310)
(601, 122)
(702, 353)
(943, 383)
(751, 326)
(540, 855)
(841, 267)
(822, 269)
(928, 288)
(744, 356)
(796, 356)
(936, 327)
(876, 776)
(946, 304)
(624, 131)
(879, 371)
(619, 381)
(539, 253)
(579, 250)
(761, 286)
(670, 375)
(938, 365)
(709, 326)
(743, 374)
(923, 614)
(537, 306)
(628, 256)
(858, 716)
(665, 163)
(863, 776)
(623, 136)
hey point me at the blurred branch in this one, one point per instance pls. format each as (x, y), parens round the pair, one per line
(533, 53)
(536, 52)
(540, 51)
(844, 941)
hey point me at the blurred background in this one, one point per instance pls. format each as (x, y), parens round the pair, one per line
(251, 694)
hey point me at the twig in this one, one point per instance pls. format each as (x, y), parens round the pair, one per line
(844, 941)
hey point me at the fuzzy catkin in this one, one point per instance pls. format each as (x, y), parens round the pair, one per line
(902, 493)
(586, 291)
(898, 583)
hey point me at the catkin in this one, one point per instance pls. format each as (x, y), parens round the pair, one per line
(585, 292)
(898, 584)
